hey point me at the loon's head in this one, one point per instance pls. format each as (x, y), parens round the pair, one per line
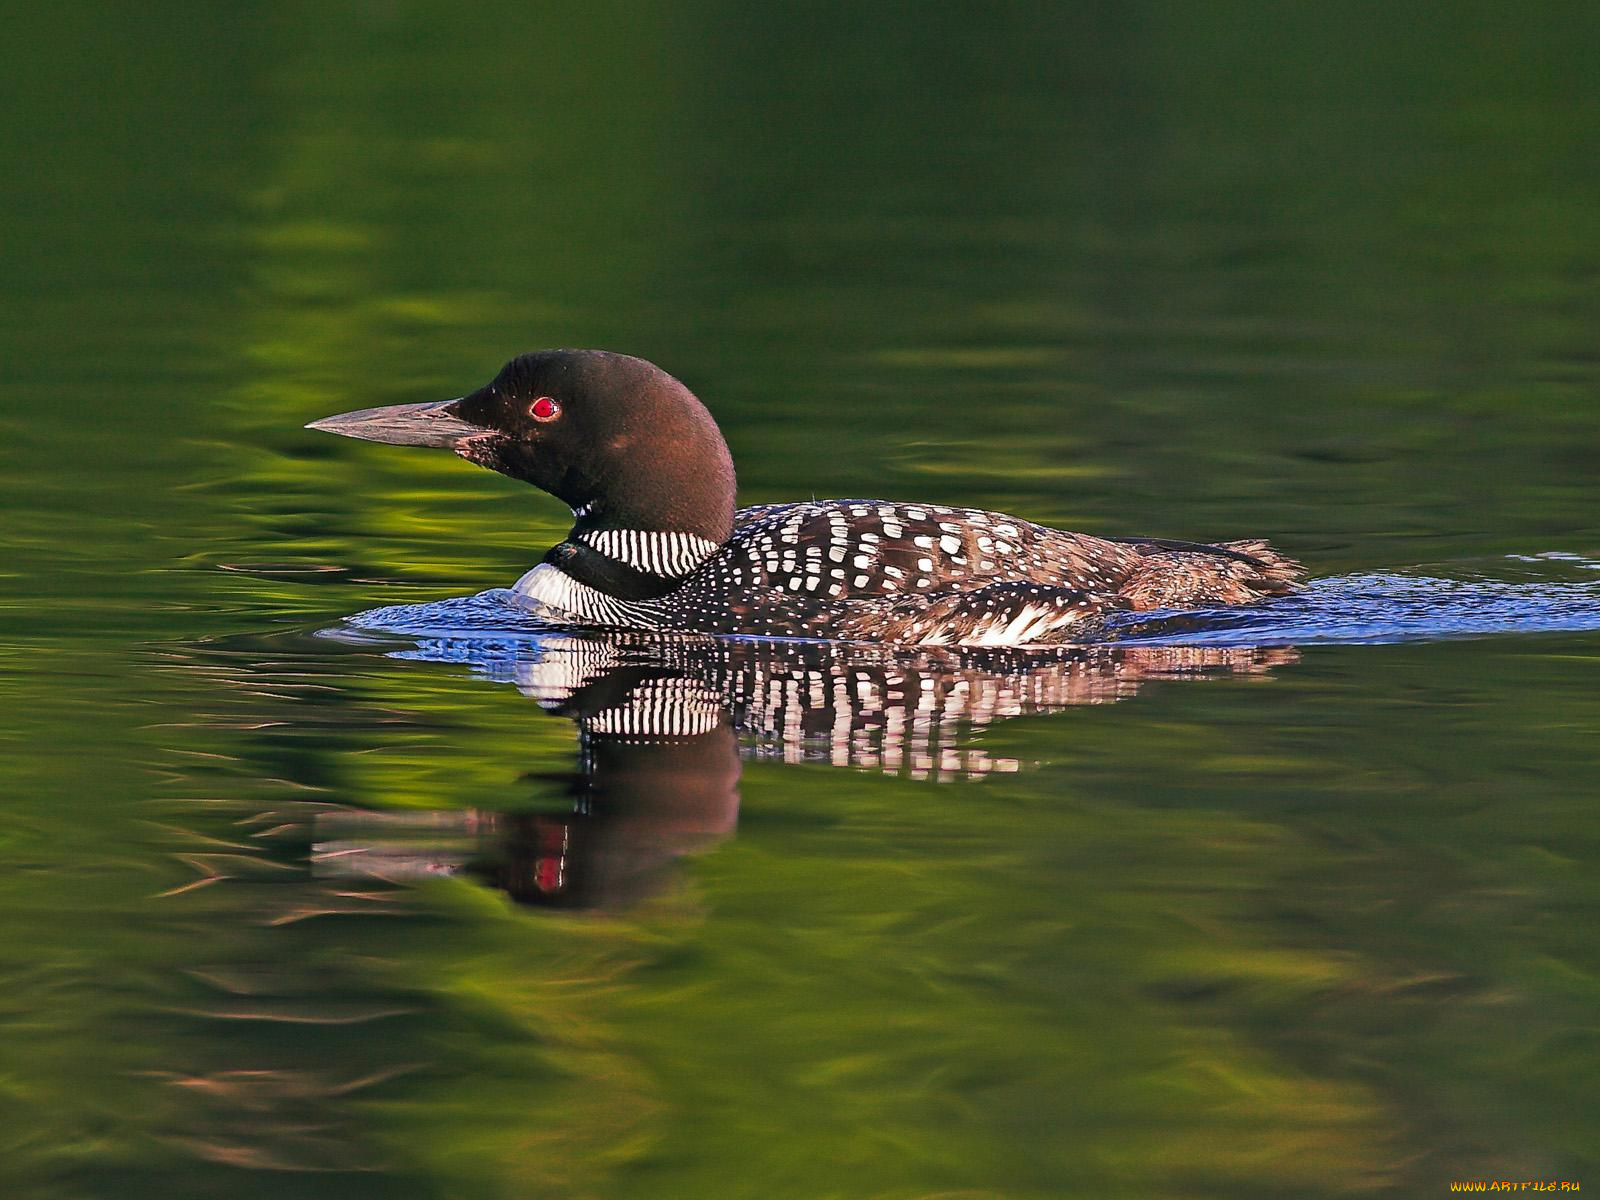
(623, 443)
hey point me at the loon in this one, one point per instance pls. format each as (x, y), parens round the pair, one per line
(657, 544)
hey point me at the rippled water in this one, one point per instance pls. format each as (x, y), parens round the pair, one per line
(1294, 900)
(1553, 593)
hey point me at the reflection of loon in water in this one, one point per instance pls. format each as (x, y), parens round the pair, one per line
(850, 706)
(664, 721)
(663, 726)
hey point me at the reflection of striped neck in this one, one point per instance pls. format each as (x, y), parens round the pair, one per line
(664, 555)
(657, 708)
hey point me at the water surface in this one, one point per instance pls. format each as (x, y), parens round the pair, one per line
(1299, 902)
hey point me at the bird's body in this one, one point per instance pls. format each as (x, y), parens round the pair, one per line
(657, 545)
(872, 570)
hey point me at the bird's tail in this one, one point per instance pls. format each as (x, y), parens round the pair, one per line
(1198, 575)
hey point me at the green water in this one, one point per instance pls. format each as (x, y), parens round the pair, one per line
(1190, 270)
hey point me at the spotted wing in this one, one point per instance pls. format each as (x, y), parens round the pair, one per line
(861, 549)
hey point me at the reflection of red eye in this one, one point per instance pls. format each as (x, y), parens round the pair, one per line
(544, 409)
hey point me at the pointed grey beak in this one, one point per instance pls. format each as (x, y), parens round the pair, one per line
(434, 423)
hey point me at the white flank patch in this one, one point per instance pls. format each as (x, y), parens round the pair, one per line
(554, 594)
(1028, 625)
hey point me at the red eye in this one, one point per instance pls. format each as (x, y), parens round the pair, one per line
(544, 409)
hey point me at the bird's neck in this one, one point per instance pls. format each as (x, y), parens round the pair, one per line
(625, 560)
